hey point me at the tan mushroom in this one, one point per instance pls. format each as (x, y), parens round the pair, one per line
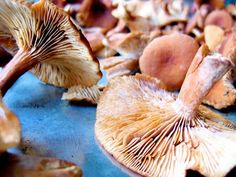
(128, 44)
(221, 18)
(12, 165)
(10, 130)
(87, 94)
(155, 133)
(50, 43)
(168, 58)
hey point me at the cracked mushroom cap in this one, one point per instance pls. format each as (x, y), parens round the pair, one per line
(10, 130)
(220, 18)
(168, 58)
(50, 43)
(12, 165)
(155, 133)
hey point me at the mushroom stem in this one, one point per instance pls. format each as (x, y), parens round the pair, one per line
(20, 63)
(196, 85)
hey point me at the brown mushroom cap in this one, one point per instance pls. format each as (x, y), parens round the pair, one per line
(49, 40)
(12, 165)
(96, 13)
(10, 130)
(168, 58)
(220, 18)
(154, 133)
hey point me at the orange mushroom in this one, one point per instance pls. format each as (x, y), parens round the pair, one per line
(50, 43)
(12, 165)
(223, 93)
(155, 133)
(220, 18)
(168, 58)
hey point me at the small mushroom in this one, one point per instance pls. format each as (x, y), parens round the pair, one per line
(168, 58)
(96, 13)
(155, 133)
(10, 130)
(220, 18)
(213, 35)
(50, 43)
(78, 93)
(12, 165)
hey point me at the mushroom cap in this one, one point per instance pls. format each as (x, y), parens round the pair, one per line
(128, 44)
(10, 130)
(213, 39)
(79, 93)
(28, 166)
(54, 41)
(96, 13)
(136, 126)
(168, 58)
(220, 18)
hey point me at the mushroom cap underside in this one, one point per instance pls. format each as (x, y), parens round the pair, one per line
(52, 38)
(137, 125)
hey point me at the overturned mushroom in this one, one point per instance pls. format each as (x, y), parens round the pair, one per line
(10, 130)
(49, 41)
(156, 134)
(12, 165)
(168, 58)
(78, 93)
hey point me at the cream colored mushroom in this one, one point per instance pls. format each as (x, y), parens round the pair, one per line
(155, 133)
(50, 43)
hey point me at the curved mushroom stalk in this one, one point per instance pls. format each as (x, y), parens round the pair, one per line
(49, 41)
(12, 165)
(10, 130)
(156, 133)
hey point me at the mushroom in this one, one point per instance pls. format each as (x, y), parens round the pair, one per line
(213, 39)
(221, 18)
(168, 58)
(50, 43)
(12, 165)
(223, 93)
(127, 44)
(156, 133)
(78, 93)
(96, 13)
(10, 130)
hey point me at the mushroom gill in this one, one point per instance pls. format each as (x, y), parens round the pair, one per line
(156, 133)
(10, 130)
(12, 165)
(50, 42)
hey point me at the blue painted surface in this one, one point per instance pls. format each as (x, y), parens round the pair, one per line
(52, 127)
